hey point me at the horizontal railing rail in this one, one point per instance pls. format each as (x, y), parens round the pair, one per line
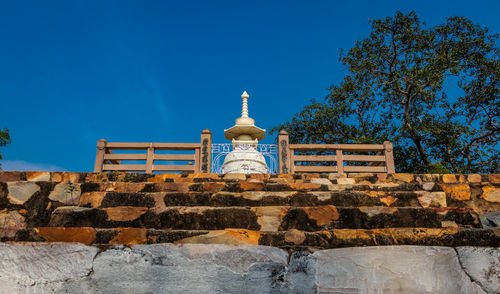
(381, 161)
(198, 161)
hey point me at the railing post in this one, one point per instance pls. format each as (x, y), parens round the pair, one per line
(389, 157)
(99, 157)
(150, 159)
(340, 161)
(284, 153)
(206, 152)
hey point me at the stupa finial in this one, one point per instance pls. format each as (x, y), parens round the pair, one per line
(244, 107)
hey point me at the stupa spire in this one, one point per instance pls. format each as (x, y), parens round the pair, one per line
(244, 107)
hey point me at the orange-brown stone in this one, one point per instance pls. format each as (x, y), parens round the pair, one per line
(323, 215)
(449, 178)
(129, 236)
(241, 177)
(406, 178)
(247, 186)
(38, 176)
(475, 178)
(494, 178)
(203, 176)
(381, 178)
(491, 194)
(295, 236)
(261, 177)
(94, 199)
(388, 200)
(125, 213)
(269, 217)
(83, 235)
(305, 186)
(7, 176)
(159, 178)
(310, 176)
(65, 176)
(228, 236)
(172, 187)
(213, 186)
(457, 191)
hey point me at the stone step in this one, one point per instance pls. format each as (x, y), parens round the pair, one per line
(262, 198)
(264, 218)
(240, 186)
(284, 239)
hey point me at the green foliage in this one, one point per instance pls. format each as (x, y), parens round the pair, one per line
(433, 92)
(4, 140)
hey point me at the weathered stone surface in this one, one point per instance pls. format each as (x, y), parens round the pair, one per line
(346, 181)
(10, 223)
(295, 236)
(491, 194)
(228, 237)
(482, 265)
(490, 219)
(270, 217)
(37, 176)
(474, 178)
(494, 178)
(43, 267)
(457, 191)
(405, 178)
(125, 213)
(10, 176)
(66, 176)
(432, 199)
(204, 268)
(159, 178)
(20, 192)
(80, 235)
(66, 192)
(92, 199)
(404, 269)
(449, 178)
(130, 236)
(241, 177)
(428, 186)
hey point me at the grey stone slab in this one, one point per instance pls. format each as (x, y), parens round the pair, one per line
(41, 267)
(391, 269)
(482, 264)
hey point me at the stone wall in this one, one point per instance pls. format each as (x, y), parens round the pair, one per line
(193, 268)
(70, 232)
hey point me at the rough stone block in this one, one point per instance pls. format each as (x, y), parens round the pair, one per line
(83, 235)
(20, 192)
(10, 176)
(457, 191)
(395, 269)
(491, 194)
(10, 223)
(482, 265)
(66, 192)
(38, 176)
(405, 178)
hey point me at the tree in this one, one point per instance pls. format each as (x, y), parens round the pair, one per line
(433, 92)
(4, 140)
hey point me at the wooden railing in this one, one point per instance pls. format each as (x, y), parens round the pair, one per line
(198, 160)
(380, 162)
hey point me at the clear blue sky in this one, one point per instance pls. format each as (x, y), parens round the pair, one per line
(73, 72)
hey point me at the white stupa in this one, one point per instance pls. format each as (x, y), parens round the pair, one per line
(245, 136)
